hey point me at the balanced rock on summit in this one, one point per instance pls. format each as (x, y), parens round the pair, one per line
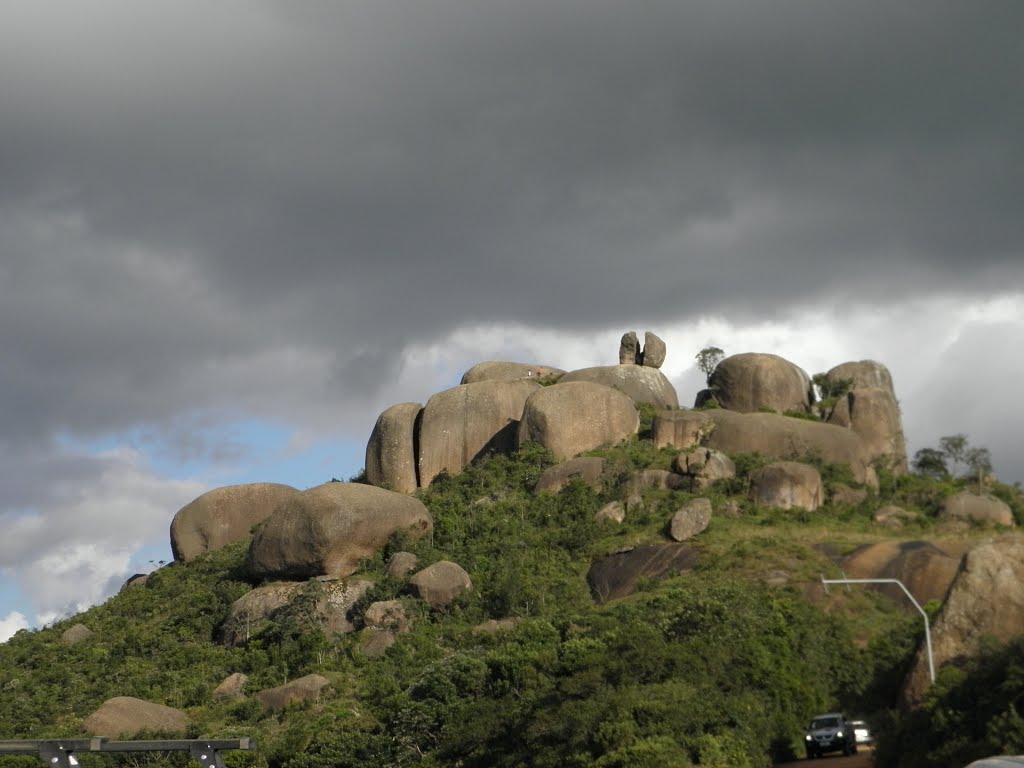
(328, 529)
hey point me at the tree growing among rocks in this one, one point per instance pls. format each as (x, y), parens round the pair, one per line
(707, 359)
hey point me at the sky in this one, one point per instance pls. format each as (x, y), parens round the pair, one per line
(232, 233)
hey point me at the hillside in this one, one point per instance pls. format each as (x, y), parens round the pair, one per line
(718, 661)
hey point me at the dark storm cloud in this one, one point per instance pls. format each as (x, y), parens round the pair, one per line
(189, 190)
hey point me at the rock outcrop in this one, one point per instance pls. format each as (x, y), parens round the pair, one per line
(389, 615)
(612, 512)
(303, 689)
(401, 564)
(642, 383)
(704, 466)
(328, 529)
(751, 381)
(617, 575)
(223, 516)
(467, 421)
(785, 438)
(690, 520)
(589, 469)
(986, 601)
(231, 687)
(391, 449)
(125, 717)
(629, 349)
(570, 418)
(496, 370)
(871, 410)
(787, 484)
(76, 634)
(681, 429)
(925, 569)
(439, 584)
(987, 510)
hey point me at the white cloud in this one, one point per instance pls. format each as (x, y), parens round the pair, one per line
(10, 624)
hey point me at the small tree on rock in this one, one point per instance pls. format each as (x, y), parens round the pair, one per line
(707, 360)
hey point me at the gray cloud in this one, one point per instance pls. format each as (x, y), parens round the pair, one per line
(253, 209)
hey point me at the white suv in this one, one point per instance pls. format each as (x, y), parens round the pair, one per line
(830, 732)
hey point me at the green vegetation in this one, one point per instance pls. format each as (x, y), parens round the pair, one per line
(711, 668)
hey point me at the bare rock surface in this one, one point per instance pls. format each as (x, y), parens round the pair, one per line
(642, 383)
(844, 494)
(401, 564)
(497, 370)
(304, 689)
(223, 516)
(391, 449)
(704, 466)
(76, 634)
(570, 418)
(785, 438)
(787, 484)
(629, 349)
(612, 512)
(439, 584)
(892, 516)
(375, 642)
(389, 615)
(978, 508)
(985, 602)
(232, 686)
(125, 717)
(329, 529)
(863, 374)
(753, 380)
(468, 421)
(924, 568)
(616, 575)
(692, 519)
(681, 429)
(874, 414)
(589, 469)
(654, 351)
(660, 479)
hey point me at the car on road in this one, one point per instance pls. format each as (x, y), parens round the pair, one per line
(830, 732)
(861, 732)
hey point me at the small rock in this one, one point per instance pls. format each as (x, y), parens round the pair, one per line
(303, 689)
(439, 584)
(401, 564)
(691, 520)
(76, 634)
(612, 512)
(232, 686)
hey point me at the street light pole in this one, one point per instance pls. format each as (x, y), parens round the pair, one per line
(927, 629)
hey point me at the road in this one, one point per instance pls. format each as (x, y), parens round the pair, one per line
(863, 759)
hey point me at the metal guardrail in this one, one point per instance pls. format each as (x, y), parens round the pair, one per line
(927, 627)
(60, 753)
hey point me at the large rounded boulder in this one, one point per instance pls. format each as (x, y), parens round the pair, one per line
(642, 383)
(983, 509)
(391, 449)
(330, 528)
(786, 438)
(468, 421)
(787, 485)
(498, 370)
(126, 716)
(223, 516)
(579, 416)
(752, 381)
(871, 409)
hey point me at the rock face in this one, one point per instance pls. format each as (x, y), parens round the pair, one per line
(401, 564)
(981, 509)
(787, 484)
(682, 429)
(871, 410)
(691, 520)
(655, 478)
(925, 569)
(124, 717)
(986, 600)
(303, 689)
(391, 449)
(864, 374)
(389, 615)
(495, 370)
(330, 528)
(232, 686)
(589, 469)
(629, 349)
(467, 421)
(703, 466)
(617, 575)
(654, 351)
(642, 383)
(612, 512)
(76, 634)
(781, 437)
(570, 418)
(439, 584)
(753, 380)
(223, 516)
(256, 608)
